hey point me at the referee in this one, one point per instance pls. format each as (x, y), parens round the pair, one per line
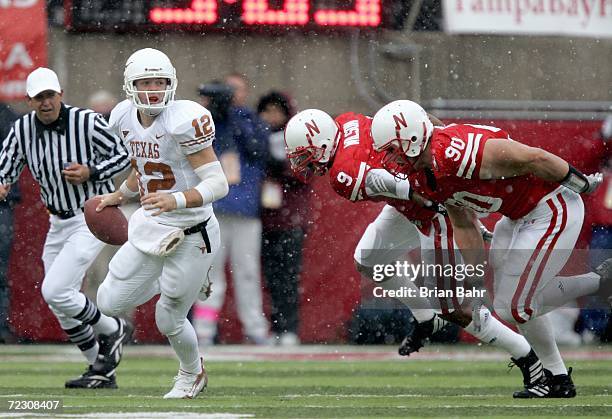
(73, 156)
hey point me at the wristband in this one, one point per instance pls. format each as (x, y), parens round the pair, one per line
(575, 180)
(181, 200)
(126, 191)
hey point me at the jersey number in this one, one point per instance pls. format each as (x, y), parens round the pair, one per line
(478, 203)
(344, 179)
(167, 181)
(202, 126)
(453, 151)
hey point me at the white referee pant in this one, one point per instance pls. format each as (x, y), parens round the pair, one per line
(69, 250)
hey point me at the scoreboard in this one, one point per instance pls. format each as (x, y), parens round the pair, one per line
(205, 15)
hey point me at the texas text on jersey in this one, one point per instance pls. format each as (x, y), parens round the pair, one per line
(456, 159)
(354, 157)
(158, 152)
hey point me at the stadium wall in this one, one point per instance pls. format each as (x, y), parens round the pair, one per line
(351, 71)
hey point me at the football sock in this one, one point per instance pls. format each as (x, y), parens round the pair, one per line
(83, 337)
(495, 333)
(185, 345)
(90, 315)
(419, 306)
(539, 333)
(564, 289)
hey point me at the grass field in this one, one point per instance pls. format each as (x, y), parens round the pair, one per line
(347, 385)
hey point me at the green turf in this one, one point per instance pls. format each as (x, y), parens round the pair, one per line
(310, 389)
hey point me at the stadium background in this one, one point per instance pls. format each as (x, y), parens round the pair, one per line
(550, 91)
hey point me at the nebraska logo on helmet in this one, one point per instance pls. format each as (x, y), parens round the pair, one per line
(401, 128)
(311, 138)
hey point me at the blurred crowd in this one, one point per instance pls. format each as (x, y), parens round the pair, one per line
(264, 225)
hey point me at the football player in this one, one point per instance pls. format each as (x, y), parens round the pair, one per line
(174, 235)
(480, 168)
(318, 144)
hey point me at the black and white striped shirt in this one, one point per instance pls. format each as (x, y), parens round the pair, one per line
(78, 136)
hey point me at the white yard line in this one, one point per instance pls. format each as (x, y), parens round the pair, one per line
(68, 353)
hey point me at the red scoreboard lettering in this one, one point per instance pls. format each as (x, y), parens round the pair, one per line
(258, 12)
(366, 13)
(200, 12)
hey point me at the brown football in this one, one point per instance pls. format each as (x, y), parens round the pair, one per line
(108, 225)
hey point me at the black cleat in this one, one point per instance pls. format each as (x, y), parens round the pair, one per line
(111, 348)
(533, 376)
(93, 379)
(562, 386)
(551, 386)
(420, 333)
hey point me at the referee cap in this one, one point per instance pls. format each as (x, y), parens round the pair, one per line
(40, 80)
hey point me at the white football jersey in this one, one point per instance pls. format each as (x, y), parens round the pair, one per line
(158, 152)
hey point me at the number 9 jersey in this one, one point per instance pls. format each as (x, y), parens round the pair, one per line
(457, 152)
(159, 152)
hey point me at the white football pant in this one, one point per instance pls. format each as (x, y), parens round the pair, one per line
(135, 277)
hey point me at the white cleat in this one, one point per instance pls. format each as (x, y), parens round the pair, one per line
(187, 385)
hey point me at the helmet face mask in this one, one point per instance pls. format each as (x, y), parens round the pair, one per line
(311, 138)
(149, 63)
(306, 163)
(395, 160)
(404, 122)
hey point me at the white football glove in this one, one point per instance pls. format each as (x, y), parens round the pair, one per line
(594, 181)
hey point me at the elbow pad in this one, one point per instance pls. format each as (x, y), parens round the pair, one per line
(213, 185)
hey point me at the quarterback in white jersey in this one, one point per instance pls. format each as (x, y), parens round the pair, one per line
(159, 153)
(173, 237)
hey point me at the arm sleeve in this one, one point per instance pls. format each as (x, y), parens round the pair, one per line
(110, 147)
(379, 182)
(12, 160)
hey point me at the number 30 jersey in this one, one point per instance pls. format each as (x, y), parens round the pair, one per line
(457, 152)
(159, 152)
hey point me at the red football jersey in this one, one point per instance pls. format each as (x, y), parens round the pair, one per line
(354, 157)
(456, 158)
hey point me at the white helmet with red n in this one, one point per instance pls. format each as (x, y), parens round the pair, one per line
(311, 137)
(401, 128)
(149, 63)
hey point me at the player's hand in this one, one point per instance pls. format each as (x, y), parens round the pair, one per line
(478, 304)
(4, 190)
(163, 202)
(76, 173)
(594, 180)
(110, 200)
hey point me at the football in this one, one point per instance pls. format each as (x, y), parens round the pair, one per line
(108, 225)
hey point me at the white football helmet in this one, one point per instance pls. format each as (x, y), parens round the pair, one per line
(311, 137)
(401, 128)
(149, 63)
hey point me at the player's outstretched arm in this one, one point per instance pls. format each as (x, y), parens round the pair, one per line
(213, 185)
(502, 159)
